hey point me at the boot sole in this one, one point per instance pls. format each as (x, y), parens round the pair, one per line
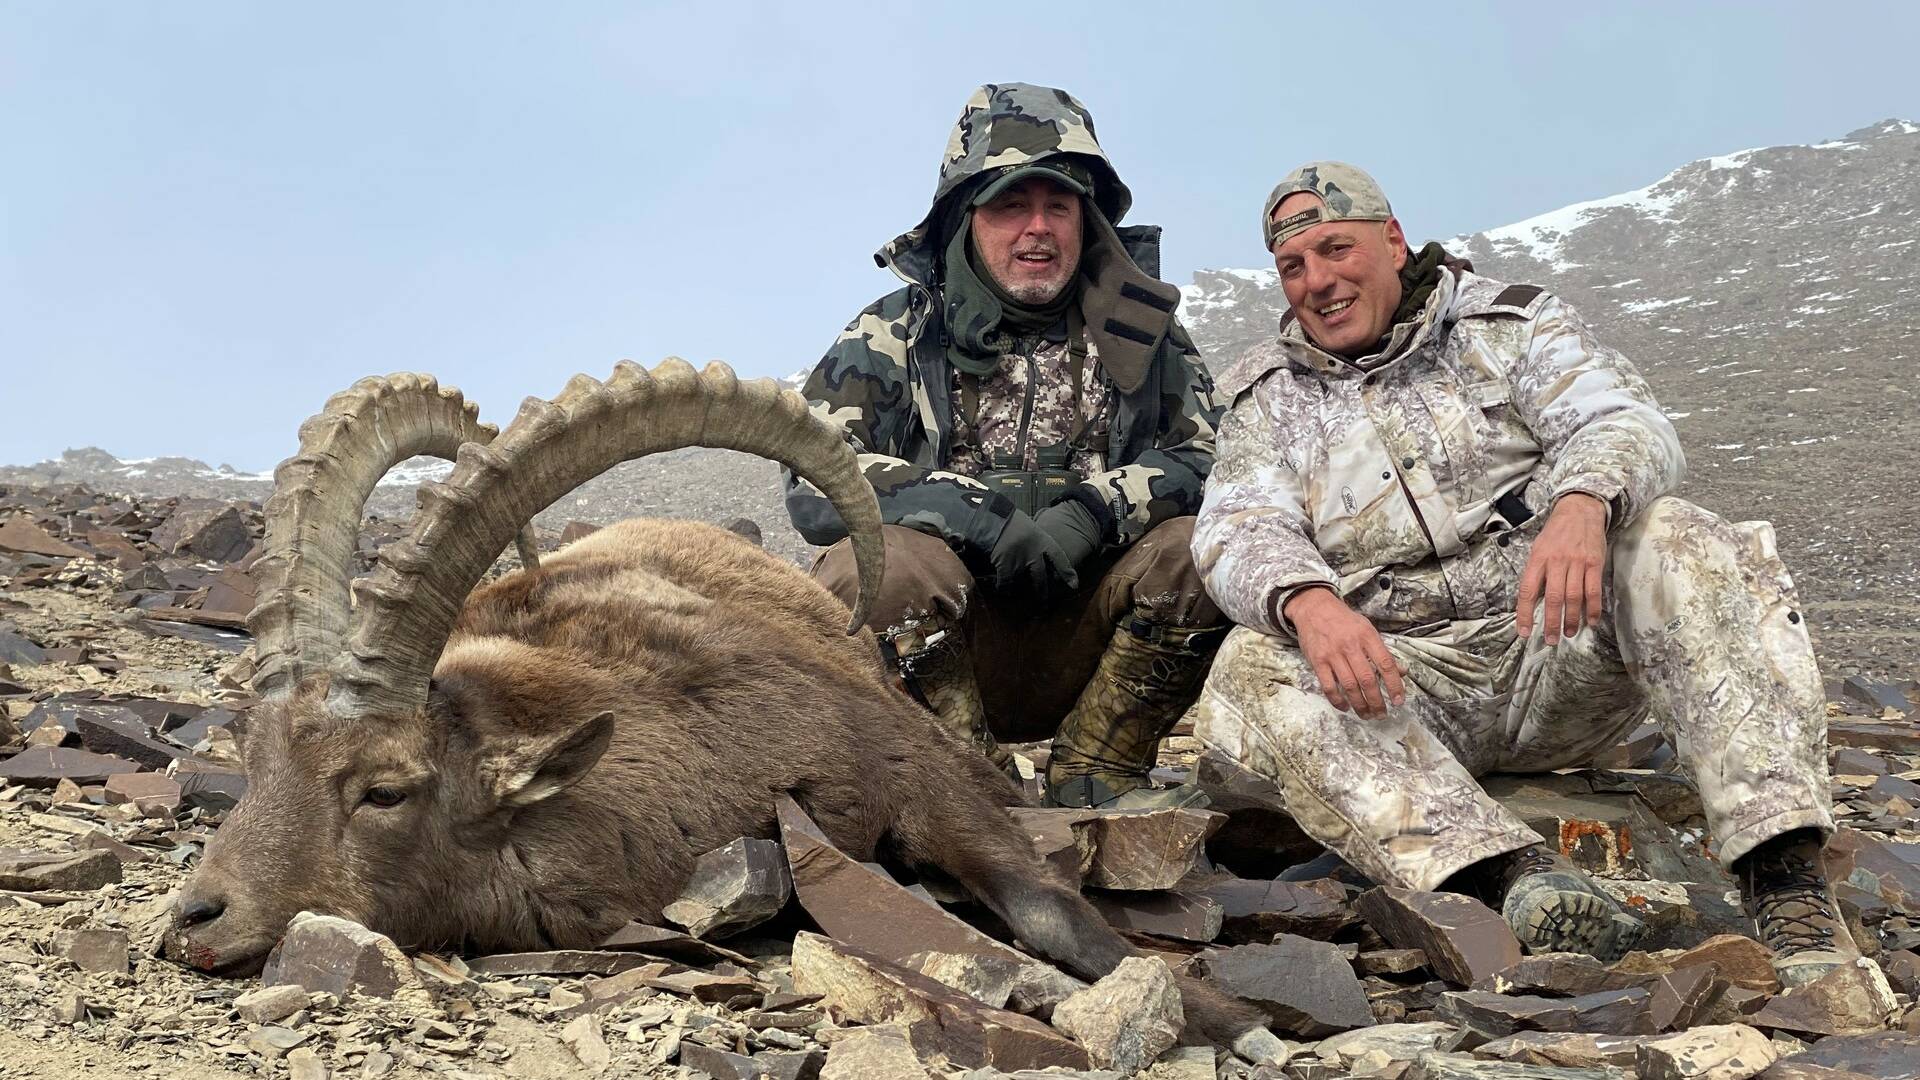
(1566, 920)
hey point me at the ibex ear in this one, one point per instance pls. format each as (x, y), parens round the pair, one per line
(537, 770)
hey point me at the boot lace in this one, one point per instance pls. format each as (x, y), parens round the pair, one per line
(1790, 905)
(1533, 859)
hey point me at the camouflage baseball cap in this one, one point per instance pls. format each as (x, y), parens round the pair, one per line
(1348, 193)
(1066, 172)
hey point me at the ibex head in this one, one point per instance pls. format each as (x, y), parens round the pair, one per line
(387, 782)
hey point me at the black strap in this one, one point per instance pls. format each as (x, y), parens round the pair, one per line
(970, 402)
(1076, 362)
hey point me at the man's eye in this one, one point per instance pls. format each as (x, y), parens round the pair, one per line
(384, 797)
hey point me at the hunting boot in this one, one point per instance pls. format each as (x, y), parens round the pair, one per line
(938, 669)
(1106, 746)
(1792, 906)
(1553, 906)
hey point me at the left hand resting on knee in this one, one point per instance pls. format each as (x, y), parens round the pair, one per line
(1565, 567)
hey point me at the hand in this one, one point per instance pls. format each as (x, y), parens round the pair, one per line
(1346, 652)
(1073, 527)
(1028, 563)
(1566, 566)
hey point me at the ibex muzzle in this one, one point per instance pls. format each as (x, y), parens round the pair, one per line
(534, 763)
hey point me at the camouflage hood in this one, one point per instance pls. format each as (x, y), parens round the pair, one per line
(1006, 124)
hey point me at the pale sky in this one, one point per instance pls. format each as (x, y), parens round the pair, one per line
(214, 215)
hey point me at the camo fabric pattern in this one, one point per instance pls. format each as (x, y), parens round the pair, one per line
(887, 384)
(1704, 632)
(1002, 398)
(1380, 477)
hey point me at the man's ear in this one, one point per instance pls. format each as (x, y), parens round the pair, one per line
(1397, 243)
(533, 770)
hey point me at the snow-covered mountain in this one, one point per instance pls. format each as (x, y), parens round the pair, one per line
(1772, 297)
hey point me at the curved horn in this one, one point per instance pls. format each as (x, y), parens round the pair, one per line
(407, 609)
(299, 624)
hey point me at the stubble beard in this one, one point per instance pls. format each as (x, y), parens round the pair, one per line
(1042, 293)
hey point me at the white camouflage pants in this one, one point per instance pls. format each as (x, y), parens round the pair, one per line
(1705, 632)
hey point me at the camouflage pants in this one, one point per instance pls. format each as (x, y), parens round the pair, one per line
(1031, 664)
(1705, 633)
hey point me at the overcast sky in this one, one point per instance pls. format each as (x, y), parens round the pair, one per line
(213, 215)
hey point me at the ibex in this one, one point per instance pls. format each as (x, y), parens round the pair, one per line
(535, 764)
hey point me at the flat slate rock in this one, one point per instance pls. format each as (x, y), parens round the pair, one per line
(1570, 1049)
(19, 533)
(868, 989)
(1437, 1066)
(1256, 910)
(862, 906)
(1180, 916)
(557, 962)
(1465, 941)
(1883, 1055)
(52, 871)
(1611, 1012)
(1850, 1000)
(1306, 986)
(46, 766)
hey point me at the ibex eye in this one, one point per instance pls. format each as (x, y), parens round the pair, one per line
(384, 796)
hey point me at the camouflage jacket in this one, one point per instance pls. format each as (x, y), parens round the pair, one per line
(1415, 489)
(888, 385)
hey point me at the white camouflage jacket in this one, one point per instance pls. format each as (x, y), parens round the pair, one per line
(1398, 483)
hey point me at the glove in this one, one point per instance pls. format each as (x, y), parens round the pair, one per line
(1028, 563)
(1072, 526)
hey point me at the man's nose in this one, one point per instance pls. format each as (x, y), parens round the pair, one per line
(1037, 223)
(1317, 275)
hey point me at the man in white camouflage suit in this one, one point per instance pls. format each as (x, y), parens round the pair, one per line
(1440, 517)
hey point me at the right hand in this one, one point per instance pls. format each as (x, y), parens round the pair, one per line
(1028, 563)
(1346, 653)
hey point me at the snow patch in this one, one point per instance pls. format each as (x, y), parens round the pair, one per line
(1638, 306)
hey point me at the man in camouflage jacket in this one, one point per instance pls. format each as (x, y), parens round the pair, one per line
(1422, 456)
(1038, 427)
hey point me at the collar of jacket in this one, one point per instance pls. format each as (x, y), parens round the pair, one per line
(1406, 338)
(1129, 311)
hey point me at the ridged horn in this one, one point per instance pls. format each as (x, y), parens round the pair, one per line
(299, 622)
(406, 610)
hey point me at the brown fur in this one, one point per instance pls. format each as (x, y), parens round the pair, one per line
(530, 822)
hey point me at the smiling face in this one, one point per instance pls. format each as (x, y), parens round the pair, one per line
(1028, 238)
(1341, 277)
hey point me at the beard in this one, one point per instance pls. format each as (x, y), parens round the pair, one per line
(1036, 293)
(1041, 292)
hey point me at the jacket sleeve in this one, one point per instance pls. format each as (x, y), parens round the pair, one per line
(1598, 425)
(1253, 543)
(861, 388)
(1168, 480)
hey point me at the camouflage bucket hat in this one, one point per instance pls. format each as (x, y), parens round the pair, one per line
(1006, 124)
(1347, 192)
